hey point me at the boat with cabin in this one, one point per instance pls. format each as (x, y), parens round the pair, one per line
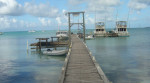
(121, 28)
(100, 29)
(63, 35)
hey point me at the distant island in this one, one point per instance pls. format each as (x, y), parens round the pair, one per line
(146, 27)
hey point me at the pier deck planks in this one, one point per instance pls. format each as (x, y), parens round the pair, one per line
(80, 68)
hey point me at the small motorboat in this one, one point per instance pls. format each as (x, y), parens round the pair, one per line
(89, 37)
(55, 52)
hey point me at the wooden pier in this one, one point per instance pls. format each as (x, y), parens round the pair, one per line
(80, 66)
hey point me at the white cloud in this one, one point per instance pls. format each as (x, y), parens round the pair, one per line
(98, 5)
(58, 19)
(102, 6)
(76, 2)
(45, 22)
(13, 23)
(89, 20)
(41, 10)
(136, 5)
(10, 7)
(139, 4)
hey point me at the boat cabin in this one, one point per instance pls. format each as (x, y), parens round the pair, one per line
(100, 29)
(61, 32)
(121, 28)
(121, 25)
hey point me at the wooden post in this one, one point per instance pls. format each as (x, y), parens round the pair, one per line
(58, 41)
(46, 42)
(70, 24)
(52, 39)
(40, 44)
(83, 28)
(69, 28)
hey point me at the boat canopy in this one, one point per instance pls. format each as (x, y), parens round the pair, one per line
(100, 23)
(62, 32)
(121, 23)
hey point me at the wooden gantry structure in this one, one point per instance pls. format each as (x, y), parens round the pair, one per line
(70, 24)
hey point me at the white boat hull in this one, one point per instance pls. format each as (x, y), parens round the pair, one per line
(55, 52)
(89, 37)
(63, 35)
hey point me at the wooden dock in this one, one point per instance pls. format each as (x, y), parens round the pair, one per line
(80, 66)
(44, 43)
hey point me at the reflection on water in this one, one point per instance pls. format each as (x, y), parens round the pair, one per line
(17, 65)
(124, 59)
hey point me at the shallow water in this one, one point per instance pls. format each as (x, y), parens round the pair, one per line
(17, 65)
(123, 59)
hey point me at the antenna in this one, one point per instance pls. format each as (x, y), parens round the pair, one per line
(95, 17)
(116, 17)
(105, 19)
(58, 26)
(128, 18)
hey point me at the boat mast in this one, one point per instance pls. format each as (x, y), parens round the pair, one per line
(116, 17)
(58, 26)
(95, 17)
(78, 25)
(105, 19)
(128, 18)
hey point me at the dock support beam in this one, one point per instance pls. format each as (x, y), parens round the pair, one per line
(70, 24)
(83, 28)
(69, 28)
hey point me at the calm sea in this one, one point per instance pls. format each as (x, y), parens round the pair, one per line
(123, 59)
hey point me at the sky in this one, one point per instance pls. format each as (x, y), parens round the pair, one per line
(24, 15)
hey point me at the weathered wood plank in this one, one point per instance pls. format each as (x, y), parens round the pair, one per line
(80, 66)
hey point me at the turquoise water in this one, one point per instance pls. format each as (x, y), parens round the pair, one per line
(123, 59)
(17, 65)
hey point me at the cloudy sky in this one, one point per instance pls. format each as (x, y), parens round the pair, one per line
(20, 15)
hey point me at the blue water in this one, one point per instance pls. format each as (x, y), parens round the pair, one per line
(17, 65)
(123, 59)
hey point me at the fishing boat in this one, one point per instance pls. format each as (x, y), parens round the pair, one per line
(100, 29)
(121, 29)
(63, 35)
(54, 52)
(31, 31)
